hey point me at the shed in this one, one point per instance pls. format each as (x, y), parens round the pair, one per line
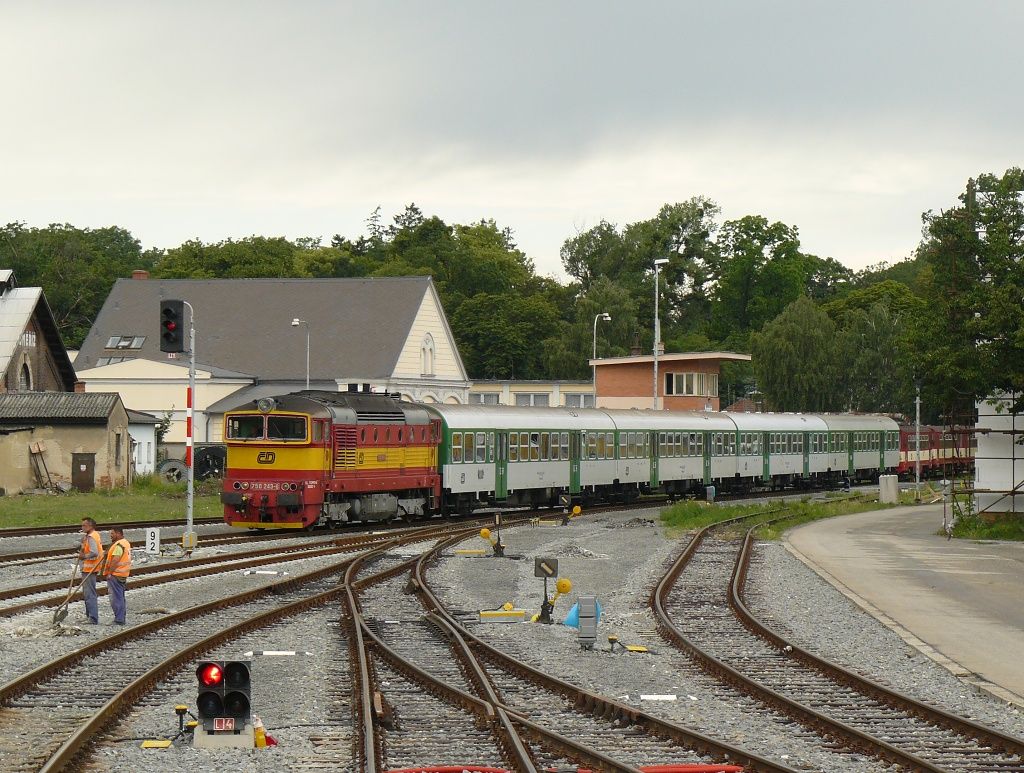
(61, 440)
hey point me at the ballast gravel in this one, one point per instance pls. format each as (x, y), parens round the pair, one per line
(29, 640)
(793, 599)
(639, 551)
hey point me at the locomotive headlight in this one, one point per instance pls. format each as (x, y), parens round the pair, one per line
(245, 484)
(266, 404)
(236, 485)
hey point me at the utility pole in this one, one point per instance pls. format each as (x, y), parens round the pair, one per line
(917, 445)
(657, 323)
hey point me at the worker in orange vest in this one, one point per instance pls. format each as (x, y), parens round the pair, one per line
(116, 569)
(90, 555)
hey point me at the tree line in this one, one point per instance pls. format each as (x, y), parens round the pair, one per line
(823, 337)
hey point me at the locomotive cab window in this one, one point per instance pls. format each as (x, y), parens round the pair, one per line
(245, 428)
(286, 428)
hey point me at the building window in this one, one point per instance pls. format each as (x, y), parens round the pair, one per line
(427, 355)
(117, 449)
(125, 342)
(485, 398)
(28, 339)
(100, 361)
(25, 379)
(692, 384)
(579, 400)
(536, 399)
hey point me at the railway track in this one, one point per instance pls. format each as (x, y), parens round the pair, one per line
(534, 720)
(699, 606)
(53, 714)
(51, 594)
(42, 531)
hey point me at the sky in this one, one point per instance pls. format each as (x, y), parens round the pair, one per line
(214, 120)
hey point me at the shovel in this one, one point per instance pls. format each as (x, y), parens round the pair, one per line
(61, 612)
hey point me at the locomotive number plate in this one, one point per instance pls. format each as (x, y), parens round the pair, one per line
(264, 486)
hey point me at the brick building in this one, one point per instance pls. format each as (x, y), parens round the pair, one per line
(32, 355)
(687, 381)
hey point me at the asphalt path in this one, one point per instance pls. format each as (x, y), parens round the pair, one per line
(959, 601)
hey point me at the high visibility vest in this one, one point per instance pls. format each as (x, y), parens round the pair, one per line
(122, 565)
(96, 546)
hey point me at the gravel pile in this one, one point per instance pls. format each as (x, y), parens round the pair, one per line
(802, 607)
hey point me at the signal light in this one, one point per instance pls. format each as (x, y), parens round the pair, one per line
(172, 315)
(224, 693)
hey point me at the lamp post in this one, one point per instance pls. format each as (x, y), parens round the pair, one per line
(657, 324)
(607, 318)
(295, 323)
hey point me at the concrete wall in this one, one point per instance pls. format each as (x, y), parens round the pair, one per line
(60, 441)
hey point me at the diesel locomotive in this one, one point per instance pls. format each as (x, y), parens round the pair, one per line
(318, 458)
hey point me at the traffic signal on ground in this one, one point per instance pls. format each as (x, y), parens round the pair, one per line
(224, 694)
(172, 326)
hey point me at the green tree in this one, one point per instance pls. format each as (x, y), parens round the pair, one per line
(795, 360)
(759, 271)
(76, 267)
(873, 350)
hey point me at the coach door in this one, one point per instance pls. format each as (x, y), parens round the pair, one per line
(653, 440)
(850, 446)
(501, 466)
(575, 451)
(708, 450)
(807, 453)
(881, 451)
(765, 456)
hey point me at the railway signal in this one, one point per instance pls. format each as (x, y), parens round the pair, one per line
(224, 701)
(172, 326)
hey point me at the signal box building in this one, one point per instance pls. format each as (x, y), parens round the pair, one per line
(373, 334)
(687, 381)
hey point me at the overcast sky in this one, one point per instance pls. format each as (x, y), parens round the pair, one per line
(214, 120)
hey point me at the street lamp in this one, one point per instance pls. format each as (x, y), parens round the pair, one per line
(657, 324)
(295, 323)
(607, 318)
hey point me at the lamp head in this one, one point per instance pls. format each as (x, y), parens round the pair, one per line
(606, 317)
(296, 322)
(661, 262)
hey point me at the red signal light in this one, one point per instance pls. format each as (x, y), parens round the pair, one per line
(211, 674)
(170, 325)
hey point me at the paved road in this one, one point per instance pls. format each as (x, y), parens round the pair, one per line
(965, 599)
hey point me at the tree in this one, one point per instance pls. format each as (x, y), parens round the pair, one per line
(758, 272)
(76, 267)
(795, 360)
(873, 347)
(970, 343)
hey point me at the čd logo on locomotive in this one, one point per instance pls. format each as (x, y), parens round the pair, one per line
(266, 457)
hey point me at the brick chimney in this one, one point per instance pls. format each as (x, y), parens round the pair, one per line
(140, 273)
(80, 387)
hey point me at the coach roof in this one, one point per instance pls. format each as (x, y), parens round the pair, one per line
(357, 327)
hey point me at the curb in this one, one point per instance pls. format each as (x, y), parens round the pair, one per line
(956, 669)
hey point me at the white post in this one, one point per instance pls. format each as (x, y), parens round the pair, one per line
(307, 356)
(917, 445)
(607, 318)
(188, 539)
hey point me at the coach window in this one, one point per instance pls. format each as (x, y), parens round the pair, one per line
(513, 448)
(481, 447)
(630, 450)
(601, 450)
(456, 447)
(524, 446)
(467, 445)
(490, 446)
(534, 446)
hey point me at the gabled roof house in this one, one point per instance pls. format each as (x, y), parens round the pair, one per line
(32, 355)
(389, 333)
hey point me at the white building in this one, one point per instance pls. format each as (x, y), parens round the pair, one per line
(999, 458)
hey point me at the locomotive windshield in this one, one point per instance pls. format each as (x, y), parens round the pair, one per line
(245, 428)
(286, 428)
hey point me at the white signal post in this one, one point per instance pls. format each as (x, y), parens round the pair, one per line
(188, 539)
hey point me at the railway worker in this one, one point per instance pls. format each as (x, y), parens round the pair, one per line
(116, 570)
(91, 556)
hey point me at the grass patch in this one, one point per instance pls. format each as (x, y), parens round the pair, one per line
(149, 499)
(697, 515)
(976, 529)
